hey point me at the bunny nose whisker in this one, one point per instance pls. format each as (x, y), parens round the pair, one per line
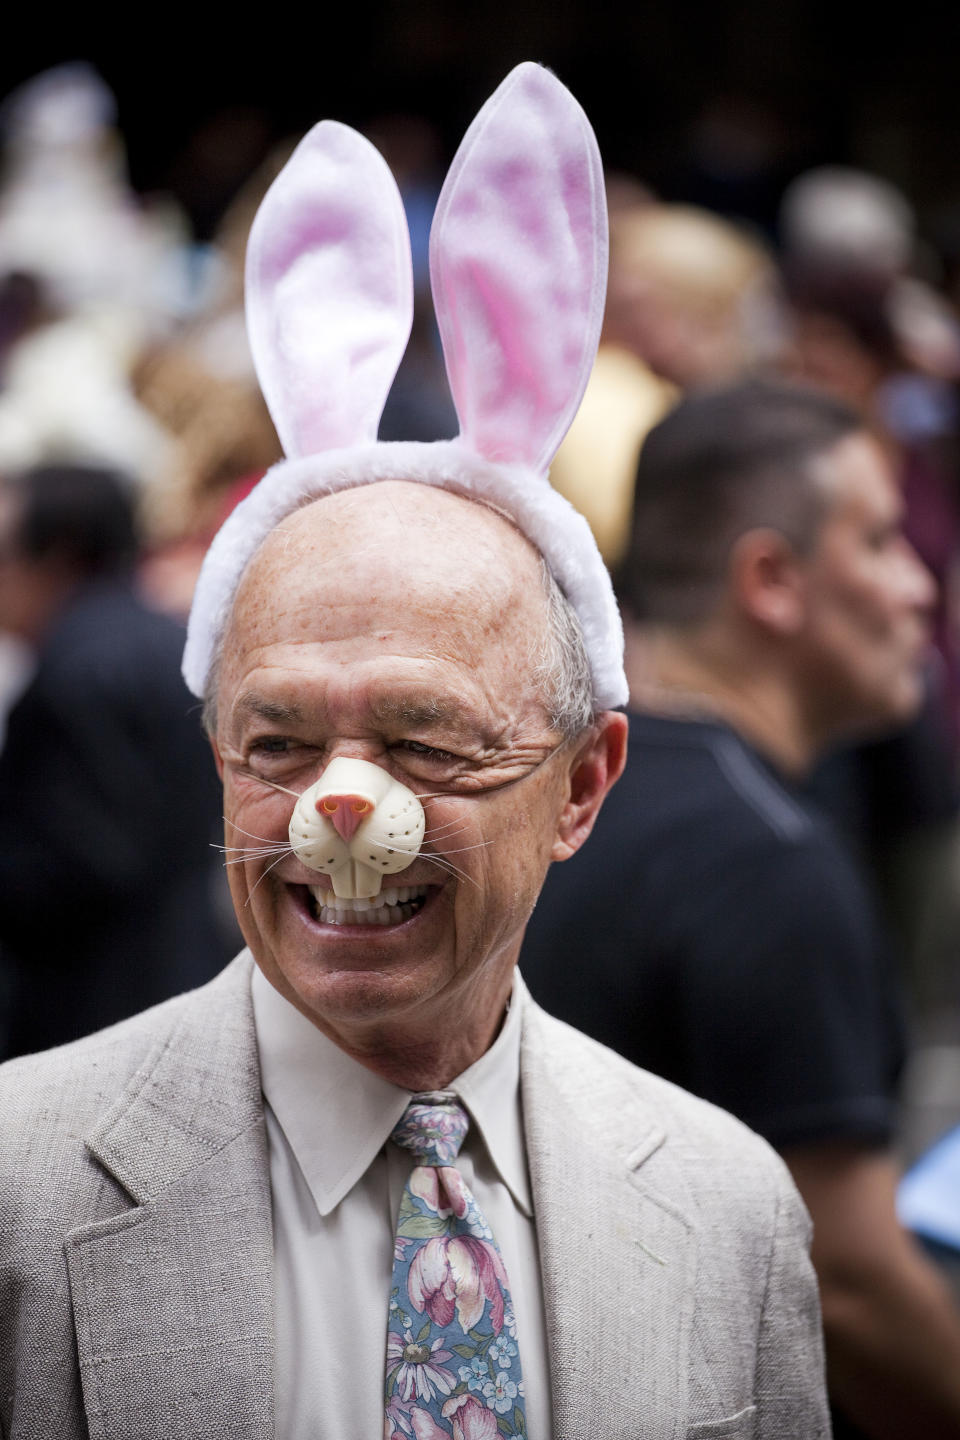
(258, 854)
(450, 868)
(264, 875)
(449, 828)
(266, 839)
(460, 849)
(268, 847)
(261, 780)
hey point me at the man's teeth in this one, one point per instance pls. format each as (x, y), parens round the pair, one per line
(390, 907)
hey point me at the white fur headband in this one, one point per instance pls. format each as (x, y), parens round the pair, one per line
(518, 264)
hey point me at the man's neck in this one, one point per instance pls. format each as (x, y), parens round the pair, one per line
(695, 676)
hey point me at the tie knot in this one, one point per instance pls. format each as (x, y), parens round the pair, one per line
(432, 1128)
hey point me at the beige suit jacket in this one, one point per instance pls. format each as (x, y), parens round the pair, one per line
(136, 1275)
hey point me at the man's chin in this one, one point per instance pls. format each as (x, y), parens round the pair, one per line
(353, 1004)
(353, 964)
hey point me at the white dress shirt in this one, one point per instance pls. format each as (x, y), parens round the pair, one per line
(336, 1184)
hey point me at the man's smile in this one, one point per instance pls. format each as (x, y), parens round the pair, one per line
(392, 906)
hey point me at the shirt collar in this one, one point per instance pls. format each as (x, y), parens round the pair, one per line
(305, 1078)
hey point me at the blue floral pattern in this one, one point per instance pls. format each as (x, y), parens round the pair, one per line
(453, 1368)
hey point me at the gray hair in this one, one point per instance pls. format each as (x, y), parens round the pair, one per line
(561, 666)
(208, 710)
(559, 661)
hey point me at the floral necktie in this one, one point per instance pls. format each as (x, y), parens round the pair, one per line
(452, 1362)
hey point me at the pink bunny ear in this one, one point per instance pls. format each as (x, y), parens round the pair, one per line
(329, 291)
(518, 264)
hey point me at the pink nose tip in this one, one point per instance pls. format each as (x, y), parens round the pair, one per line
(344, 812)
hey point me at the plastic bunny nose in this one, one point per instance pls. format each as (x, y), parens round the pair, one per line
(344, 812)
(357, 824)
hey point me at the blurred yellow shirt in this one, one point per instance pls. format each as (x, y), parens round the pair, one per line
(596, 465)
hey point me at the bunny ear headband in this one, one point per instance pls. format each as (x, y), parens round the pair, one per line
(518, 264)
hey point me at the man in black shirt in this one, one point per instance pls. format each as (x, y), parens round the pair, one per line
(757, 974)
(715, 930)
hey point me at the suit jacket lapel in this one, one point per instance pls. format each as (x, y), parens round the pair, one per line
(610, 1245)
(173, 1300)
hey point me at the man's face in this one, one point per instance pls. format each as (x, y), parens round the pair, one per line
(866, 635)
(397, 624)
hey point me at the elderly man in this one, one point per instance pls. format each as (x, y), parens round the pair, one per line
(717, 930)
(360, 1184)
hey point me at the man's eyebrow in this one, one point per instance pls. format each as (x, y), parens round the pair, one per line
(409, 712)
(251, 703)
(387, 710)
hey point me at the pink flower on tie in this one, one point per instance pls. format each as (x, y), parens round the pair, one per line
(458, 1274)
(471, 1420)
(426, 1428)
(396, 1418)
(443, 1199)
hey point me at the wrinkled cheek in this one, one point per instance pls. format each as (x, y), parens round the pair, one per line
(238, 880)
(248, 907)
(490, 923)
(251, 829)
(507, 874)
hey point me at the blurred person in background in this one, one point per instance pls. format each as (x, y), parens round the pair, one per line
(696, 293)
(68, 214)
(717, 931)
(88, 276)
(689, 302)
(199, 384)
(864, 327)
(109, 887)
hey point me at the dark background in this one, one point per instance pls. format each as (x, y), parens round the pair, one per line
(203, 94)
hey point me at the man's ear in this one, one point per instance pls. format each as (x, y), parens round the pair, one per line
(767, 581)
(597, 764)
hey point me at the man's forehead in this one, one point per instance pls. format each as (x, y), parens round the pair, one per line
(391, 507)
(394, 532)
(430, 576)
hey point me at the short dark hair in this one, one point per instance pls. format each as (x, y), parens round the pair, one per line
(81, 514)
(725, 461)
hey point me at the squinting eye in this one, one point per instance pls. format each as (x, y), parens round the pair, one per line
(269, 748)
(271, 745)
(428, 752)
